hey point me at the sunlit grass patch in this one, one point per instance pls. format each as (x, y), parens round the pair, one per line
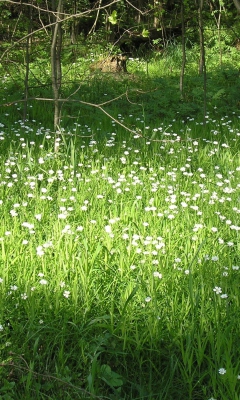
(120, 261)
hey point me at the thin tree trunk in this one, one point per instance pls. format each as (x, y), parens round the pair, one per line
(155, 17)
(183, 48)
(74, 24)
(92, 30)
(27, 61)
(237, 4)
(56, 70)
(202, 60)
(218, 21)
(201, 37)
(217, 14)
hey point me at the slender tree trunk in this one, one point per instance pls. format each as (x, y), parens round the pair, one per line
(93, 28)
(27, 61)
(183, 48)
(56, 70)
(217, 14)
(218, 23)
(74, 24)
(155, 18)
(202, 60)
(138, 17)
(237, 4)
(201, 37)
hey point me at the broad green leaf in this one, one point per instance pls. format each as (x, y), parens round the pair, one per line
(145, 33)
(113, 17)
(110, 377)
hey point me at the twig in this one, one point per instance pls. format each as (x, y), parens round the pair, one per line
(22, 369)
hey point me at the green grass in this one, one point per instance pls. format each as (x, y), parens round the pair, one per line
(110, 253)
(151, 87)
(119, 260)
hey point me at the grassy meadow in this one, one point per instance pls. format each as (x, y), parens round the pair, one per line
(119, 261)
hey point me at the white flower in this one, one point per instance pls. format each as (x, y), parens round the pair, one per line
(43, 282)
(224, 296)
(133, 267)
(41, 160)
(66, 294)
(28, 225)
(1, 328)
(24, 296)
(48, 244)
(195, 208)
(222, 371)
(13, 213)
(217, 290)
(148, 299)
(157, 274)
(177, 260)
(40, 251)
(62, 216)
(213, 229)
(160, 246)
(108, 229)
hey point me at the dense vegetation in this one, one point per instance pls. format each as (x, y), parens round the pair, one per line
(119, 233)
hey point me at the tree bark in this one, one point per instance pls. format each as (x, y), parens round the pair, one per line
(237, 4)
(27, 62)
(56, 70)
(202, 60)
(183, 47)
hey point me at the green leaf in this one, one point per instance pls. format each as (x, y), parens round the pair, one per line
(110, 377)
(132, 294)
(221, 93)
(145, 33)
(113, 17)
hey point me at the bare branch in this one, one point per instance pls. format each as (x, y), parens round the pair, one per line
(66, 15)
(66, 18)
(45, 376)
(100, 106)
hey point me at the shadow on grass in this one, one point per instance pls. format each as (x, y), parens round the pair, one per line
(152, 98)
